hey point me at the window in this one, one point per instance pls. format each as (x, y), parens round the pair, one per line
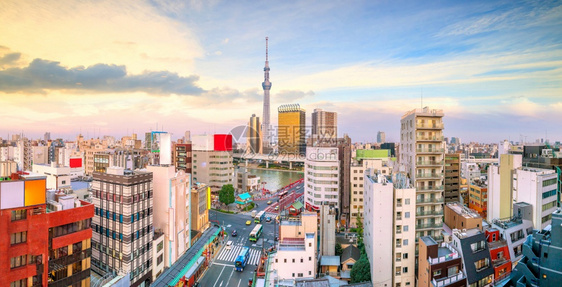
(407, 201)
(299, 275)
(478, 246)
(405, 270)
(285, 261)
(18, 261)
(160, 246)
(293, 260)
(19, 214)
(18, 237)
(407, 214)
(19, 283)
(481, 264)
(309, 258)
(405, 242)
(302, 260)
(405, 228)
(436, 272)
(405, 255)
(160, 259)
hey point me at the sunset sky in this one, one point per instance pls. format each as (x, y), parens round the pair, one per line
(117, 67)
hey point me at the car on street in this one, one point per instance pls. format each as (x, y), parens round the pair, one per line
(268, 219)
(248, 222)
(234, 233)
(269, 202)
(276, 208)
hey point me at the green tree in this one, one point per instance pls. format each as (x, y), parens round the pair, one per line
(226, 194)
(361, 271)
(339, 250)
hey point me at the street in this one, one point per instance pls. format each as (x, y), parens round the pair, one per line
(221, 271)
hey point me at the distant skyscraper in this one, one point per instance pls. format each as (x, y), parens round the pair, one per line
(324, 126)
(291, 129)
(266, 87)
(254, 135)
(381, 137)
(47, 136)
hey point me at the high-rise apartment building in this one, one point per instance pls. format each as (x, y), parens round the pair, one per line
(291, 130)
(45, 242)
(452, 177)
(321, 178)
(422, 151)
(123, 223)
(324, 126)
(172, 210)
(389, 228)
(374, 159)
(214, 168)
(381, 137)
(254, 135)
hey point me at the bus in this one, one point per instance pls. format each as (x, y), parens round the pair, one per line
(259, 217)
(283, 194)
(242, 259)
(256, 232)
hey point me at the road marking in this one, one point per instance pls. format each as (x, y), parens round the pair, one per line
(225, 265)
(239, 282)
(218, 277)
(230, 275)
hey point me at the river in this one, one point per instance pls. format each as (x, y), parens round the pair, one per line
(275, 179)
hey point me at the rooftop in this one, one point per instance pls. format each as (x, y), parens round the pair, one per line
(330, 261)
(428, 240)
(462, 210)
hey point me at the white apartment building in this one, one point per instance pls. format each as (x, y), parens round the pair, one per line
(511, 182)
(172, 197)
(356, 179)
(422, 152)
(57, 176)
(297, 254)
(321, 173)
(390, 206)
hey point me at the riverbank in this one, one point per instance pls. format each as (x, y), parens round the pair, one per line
(274, 169)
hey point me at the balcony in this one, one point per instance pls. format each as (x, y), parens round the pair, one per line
(429, 138)
(429, 175)
(451, 255)
(428, 213)
(429, 126)
(430, 150)
(428, 226)
(446, 281)
(429, 200)
(430, 188)
(429, 163)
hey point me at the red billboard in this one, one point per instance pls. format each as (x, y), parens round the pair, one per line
(75, 162)
(223, 142)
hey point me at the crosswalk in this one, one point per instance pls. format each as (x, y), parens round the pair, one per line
(229, 255)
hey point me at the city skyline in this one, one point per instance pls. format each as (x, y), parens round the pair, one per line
(115, 68)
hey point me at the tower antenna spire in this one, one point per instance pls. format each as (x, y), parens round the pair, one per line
(266, 48)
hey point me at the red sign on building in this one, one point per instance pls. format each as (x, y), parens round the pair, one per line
(75, 162)
(223, 142)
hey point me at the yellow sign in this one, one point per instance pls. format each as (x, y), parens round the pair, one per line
(208, 197)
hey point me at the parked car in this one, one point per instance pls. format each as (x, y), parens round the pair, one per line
(234, 233)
